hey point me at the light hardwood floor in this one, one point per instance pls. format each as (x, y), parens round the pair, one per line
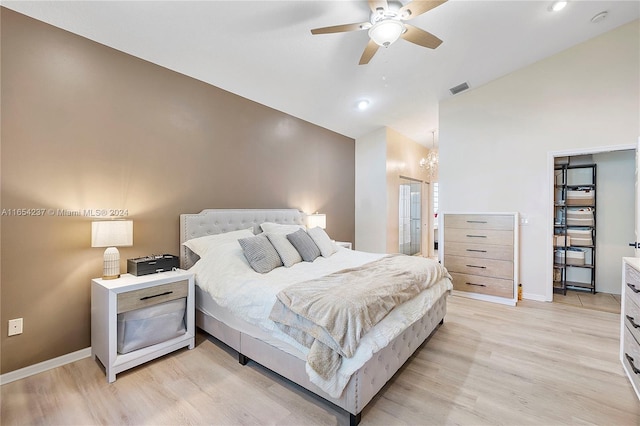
(598, 301)
(535, 364)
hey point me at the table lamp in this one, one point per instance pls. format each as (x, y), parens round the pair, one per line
(111, 234)
(317, 219)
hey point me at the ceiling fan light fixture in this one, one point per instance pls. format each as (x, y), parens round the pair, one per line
(386, 32)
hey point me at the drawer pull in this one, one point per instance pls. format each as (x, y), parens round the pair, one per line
(152, 263)
(630, 359)
(476, 236)
(476, 221)
(633, 288)
(478, 251)
(631, 320)
(478, 285)
(479, 267)
(156, 295)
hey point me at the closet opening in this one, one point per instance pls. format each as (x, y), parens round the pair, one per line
(593, 222)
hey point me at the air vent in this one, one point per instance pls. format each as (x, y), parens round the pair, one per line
(459, 88)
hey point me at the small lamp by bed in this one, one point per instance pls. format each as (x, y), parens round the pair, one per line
(111, 234)
(317, 219)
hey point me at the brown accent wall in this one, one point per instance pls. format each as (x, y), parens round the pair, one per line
(86, 127)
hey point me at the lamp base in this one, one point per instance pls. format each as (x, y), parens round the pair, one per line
(111, 264)
(110, 277)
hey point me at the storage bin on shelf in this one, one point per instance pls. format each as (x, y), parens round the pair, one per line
(580, 236)
(154, 324)
(573, 256)
(581, 197)
(580, 216)
(560, 240)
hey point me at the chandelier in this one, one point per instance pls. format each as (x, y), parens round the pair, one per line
(430, 162)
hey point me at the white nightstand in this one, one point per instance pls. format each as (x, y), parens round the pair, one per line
(129, 293)
(345, 244)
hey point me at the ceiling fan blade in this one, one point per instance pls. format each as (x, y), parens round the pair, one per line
(420, 37)
(375, 4)
(368, 53)
(341, 28)
(418, 7)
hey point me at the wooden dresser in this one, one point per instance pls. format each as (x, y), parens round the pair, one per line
(480, 250)
(630, 321)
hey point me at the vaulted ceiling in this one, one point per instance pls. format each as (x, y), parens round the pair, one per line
(264, 50)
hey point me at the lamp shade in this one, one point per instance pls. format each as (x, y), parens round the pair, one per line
(317, 219)
(112, 233)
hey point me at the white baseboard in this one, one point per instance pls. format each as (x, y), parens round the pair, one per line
(536, 297)
(44, 366)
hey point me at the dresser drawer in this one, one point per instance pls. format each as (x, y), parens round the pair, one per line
(483, 285)
(475, 266)
(632, 318)
(631, 357)
(478, 236)
(149, 296)
(632, 283)
(484, 251)
(475, 221)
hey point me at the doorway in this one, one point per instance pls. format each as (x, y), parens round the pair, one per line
(410, 216)
(614, 228)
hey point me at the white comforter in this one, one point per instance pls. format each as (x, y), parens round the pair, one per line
(226, 275)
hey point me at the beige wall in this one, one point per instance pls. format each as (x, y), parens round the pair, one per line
(496, 140)
(87, 127)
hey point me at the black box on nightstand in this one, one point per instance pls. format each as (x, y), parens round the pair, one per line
(152, 264)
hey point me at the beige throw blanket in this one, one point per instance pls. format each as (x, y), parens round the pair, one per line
(330, 314)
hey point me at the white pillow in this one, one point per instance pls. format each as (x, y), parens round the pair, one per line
(285, 249)
(322, 240)
(200, 245)
(277, 228)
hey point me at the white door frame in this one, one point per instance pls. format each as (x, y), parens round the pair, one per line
(551, 155)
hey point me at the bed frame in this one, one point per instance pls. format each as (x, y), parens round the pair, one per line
(365, 383)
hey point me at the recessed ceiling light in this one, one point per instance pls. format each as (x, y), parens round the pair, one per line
(557, 6)
(363, 104)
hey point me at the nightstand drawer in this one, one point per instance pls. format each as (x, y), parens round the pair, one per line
(475, 221)
(485, 267)
(152, 296)
(483, 285)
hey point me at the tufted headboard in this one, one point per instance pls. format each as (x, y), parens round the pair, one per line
(218, 221)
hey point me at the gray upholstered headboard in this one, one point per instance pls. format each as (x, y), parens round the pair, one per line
(218, 221)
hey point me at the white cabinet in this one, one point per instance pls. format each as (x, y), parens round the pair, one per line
(129, 293)
(630, 321)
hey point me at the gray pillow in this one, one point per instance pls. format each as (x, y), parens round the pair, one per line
(260, 253)
(285, 249)
(305, 245)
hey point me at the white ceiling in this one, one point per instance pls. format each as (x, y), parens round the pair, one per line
(264, 51)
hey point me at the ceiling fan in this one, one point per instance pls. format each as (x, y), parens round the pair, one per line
(387, 24)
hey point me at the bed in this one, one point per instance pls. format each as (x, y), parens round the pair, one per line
(381, 351)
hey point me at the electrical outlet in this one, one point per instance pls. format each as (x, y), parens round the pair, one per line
(15, 326)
